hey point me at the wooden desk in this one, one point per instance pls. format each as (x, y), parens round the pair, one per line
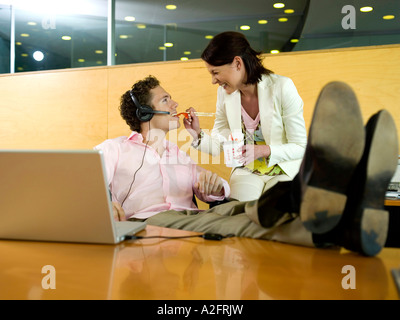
(191, 269)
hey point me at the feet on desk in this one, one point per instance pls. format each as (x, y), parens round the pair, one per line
(340, 189)
(364, 224)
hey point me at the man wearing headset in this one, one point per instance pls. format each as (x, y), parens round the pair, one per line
(147, 174)
(150, 178)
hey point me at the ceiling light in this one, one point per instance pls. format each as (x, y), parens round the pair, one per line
(366, 9)
(274, 51)
(262, 21)
(170, 7)
(294, 40)
(24, 35)
(18, 43)
(123, 36)
(24, 54)
(209, 36)
(129, 18)
(279, 5)
(244, 27)
(31, 23)
(168, 44)
(141, 26)
(162, 48)
(388, 17)
(184, 59)
(283, 19)
(81, 60)
(66, 37)
(99, 51)
(187, 52)
(38, 55)
(289, 11)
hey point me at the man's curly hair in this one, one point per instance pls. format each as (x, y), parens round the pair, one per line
(141, 90)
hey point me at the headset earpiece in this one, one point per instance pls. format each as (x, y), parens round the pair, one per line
(143, 112)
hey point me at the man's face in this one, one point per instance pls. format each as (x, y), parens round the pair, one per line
(162, 101)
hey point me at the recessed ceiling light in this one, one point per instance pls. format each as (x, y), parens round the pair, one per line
(262, 21)
(184, 58)
(38, 55)
(168, 44)
(294, 40)
(274, 51)
(123, 36)
(81, 60)
(31, 23)
(99, 51)
(187, 52)
(25, 35)
(18, 43)
(170, 7)
(283, 19)
(129, 18)
(279, 5)
(244, 27)
(388, 17)
(289, 11)
(162, 48)
(141, 26)
(366, 9)
(209, 36)
(66, 38)
(24, 54)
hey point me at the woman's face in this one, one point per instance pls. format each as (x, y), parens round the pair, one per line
(229, 76)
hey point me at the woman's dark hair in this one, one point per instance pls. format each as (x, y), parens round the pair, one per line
(224, 47)
(141, 91)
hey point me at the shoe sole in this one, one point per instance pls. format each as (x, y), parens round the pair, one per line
(335, 145)
(373, 220)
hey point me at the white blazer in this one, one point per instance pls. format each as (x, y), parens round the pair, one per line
(281, 117)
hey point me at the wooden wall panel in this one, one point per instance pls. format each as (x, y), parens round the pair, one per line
(53, 110)
(78, 108)
(372, 72)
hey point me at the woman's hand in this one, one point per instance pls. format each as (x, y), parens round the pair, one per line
(192, 124)
(251, 152)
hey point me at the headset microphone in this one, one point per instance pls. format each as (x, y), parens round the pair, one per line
(144, 112)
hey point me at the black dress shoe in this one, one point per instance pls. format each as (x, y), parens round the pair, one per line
(365, 220)
(334, 148)
(364, 224)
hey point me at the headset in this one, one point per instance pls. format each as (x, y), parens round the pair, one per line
(143, 112)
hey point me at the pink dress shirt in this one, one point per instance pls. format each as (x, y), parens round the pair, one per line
(161, 184)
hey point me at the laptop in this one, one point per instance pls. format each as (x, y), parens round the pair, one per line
(58, 195)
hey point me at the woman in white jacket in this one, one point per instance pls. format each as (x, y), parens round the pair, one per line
(266, 108)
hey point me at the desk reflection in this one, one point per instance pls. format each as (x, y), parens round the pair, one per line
(185, 269)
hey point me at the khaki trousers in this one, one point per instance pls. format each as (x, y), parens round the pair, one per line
(246, 186)
(233, 218)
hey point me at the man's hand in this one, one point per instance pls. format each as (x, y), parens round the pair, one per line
(209, 183)
(119, 213)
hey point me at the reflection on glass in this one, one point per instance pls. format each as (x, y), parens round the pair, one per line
(65, 35)
(5, 24)
(73, 33)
